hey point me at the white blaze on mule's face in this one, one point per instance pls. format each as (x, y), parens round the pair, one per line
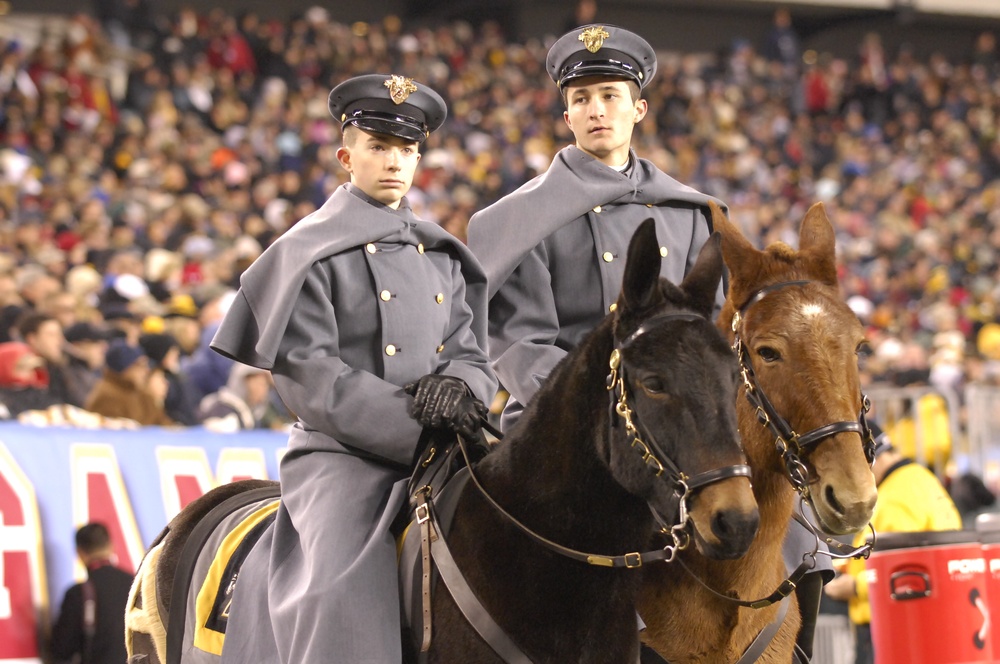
(812, 310)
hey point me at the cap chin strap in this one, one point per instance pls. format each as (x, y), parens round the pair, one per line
(359, 116)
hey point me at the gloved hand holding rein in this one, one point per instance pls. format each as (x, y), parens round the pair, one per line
(446, 402)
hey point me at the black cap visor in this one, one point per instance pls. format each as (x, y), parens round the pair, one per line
(392, 124)
(613, 68)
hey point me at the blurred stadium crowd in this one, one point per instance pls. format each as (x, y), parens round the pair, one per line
(147, 159)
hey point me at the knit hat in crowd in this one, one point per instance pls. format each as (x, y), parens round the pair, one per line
(121, 355)
(84, 331)
(157, 346)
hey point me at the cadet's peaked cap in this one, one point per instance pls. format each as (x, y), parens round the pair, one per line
(601, 50)
(387, 104)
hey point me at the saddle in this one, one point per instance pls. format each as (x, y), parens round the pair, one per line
(210, 562)
(209, 559)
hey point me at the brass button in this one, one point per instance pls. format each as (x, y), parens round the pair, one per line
(370, 248)
(608, 256)
(439, 298)
(390, 350)
(440, 348)
(649, 205)
(385, 295)
(614, 305)
(597, 209)
(663, 251)
(420, 248)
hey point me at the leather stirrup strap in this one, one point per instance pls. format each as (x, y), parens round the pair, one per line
(472, 608)
(763, 640)
(426, 533)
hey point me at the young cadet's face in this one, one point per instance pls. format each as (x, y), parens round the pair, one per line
(380, 165)
(601, 114)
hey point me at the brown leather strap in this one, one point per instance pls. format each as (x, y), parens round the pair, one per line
(763, 640)
(473, 610)
(424, 519)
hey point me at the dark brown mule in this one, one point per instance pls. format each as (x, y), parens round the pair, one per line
(636, 426)
(571, 471)
(800, 340)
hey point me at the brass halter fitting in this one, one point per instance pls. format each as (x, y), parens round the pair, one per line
(617, 380)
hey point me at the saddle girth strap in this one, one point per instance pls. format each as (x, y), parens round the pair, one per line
(763, 640)
(470, 606)
(426, 533)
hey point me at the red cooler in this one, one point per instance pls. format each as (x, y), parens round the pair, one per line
(988, 526)
(928, 599)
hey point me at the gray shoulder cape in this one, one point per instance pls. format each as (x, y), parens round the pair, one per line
(253, 327)
(502, 234)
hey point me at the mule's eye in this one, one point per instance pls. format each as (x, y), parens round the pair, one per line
(863, 349)
(653, 385)
(768, 354)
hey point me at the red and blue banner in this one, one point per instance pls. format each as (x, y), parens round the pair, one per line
(55, 479)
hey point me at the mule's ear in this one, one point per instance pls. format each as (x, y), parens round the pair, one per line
(817, 244)
(642, 269)
(736, 249)
(702, 282)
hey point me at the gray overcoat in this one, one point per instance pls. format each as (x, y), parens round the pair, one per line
(351, 304)
(554, 253)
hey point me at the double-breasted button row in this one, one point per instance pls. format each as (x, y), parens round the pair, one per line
(609, 257)
(392, 349)
(386, 295)
(371, 248)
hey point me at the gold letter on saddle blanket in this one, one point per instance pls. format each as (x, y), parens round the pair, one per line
(211, 609)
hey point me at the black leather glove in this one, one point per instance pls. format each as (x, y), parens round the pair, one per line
(446, 402)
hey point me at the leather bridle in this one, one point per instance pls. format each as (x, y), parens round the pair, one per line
(789, 444)
(652, 453)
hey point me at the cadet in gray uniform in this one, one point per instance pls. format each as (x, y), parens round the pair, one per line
(554, 250)
(356, 302)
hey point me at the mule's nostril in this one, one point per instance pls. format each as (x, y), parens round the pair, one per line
(735, 525)
(831, 500)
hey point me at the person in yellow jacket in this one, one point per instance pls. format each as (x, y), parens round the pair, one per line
(910, 499)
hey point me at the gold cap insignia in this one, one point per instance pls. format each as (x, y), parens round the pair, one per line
(400, 88)
(593, 38)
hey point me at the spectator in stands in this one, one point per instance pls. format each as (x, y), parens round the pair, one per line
(910, 499)
(123, 389)
(165, 355)
(245, 402)
(181, 321)
(782, 42)
(91, 624)
(122, 322)
(35, 285)
(207, 370)
(24, 381)
(86, 347)
(44, 335)
(972, 497)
